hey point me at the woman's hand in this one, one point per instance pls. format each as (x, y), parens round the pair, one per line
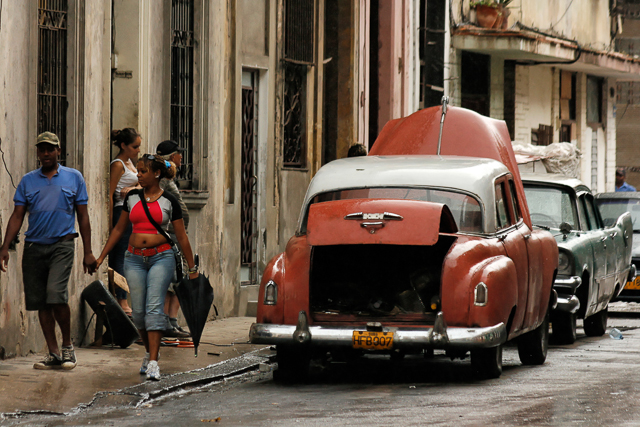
(125, 191)
(99, 262)
(193, 275)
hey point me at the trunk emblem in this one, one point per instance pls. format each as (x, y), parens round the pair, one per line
(374, 216)
(373, 226)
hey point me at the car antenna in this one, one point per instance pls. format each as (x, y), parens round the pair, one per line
(445, 101)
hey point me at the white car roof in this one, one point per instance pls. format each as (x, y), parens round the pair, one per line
(554, 178)
(469, 174)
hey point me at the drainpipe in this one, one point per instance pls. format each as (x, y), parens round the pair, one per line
(447, 47)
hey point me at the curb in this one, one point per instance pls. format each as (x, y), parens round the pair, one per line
(143, 393)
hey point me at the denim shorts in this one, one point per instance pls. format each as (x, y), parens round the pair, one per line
(45, 273)
(149, 279)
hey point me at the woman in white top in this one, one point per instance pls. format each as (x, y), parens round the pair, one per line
(124, 177)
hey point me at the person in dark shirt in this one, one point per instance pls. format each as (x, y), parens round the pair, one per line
(52, 195)
(171, 151)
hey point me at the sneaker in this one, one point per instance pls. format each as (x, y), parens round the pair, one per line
(51, 361)
(145, 363)
(153, 371)
(68, 358)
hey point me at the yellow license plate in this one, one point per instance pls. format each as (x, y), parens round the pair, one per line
(633, 285)
(373, 340)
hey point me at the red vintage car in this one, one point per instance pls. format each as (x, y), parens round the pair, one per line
(425, 244)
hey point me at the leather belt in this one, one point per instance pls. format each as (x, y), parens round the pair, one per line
(149, 251)
(67, 237)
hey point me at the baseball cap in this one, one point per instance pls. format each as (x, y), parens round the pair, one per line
(167, 147)
(48, 138)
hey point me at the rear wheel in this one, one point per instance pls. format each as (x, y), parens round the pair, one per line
(533, 346)
(487, 362)
(595, 325)
(563, 325)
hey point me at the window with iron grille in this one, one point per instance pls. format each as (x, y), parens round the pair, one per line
(299, 30)
(432, 31)
(299, 45)
(182, 42)
(52, 70)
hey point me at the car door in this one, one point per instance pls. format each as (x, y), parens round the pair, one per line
(512, 231)
(602, 256)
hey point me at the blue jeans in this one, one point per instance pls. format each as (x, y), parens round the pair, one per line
(149, 279)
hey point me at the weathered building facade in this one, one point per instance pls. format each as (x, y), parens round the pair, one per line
(550, 72)
(262, 93)
(55, 76)
(627, 13)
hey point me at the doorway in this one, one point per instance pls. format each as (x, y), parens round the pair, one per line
(249, 180)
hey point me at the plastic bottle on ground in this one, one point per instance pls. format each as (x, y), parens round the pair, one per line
(615, 334)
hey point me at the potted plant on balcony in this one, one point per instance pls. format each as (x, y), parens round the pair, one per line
(491, 13)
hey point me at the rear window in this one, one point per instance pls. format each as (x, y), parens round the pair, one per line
(465, 209)
(550, 207)
(611, 209)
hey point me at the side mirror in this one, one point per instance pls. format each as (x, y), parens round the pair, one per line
(565, 228)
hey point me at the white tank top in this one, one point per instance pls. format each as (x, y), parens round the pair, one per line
(128, 179)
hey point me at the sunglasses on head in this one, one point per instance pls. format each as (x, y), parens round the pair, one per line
(154, 158)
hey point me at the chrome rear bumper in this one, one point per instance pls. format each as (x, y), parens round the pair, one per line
(438, 336)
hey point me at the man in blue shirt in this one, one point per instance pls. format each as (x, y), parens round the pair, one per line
(621, 185)
(52, 195)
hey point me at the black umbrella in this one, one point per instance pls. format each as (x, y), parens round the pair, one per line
(196, 297)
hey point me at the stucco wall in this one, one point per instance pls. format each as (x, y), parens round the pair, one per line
(21, 332)
(627, 153)
(579, 20)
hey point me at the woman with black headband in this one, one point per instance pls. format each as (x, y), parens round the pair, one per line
(149, 263)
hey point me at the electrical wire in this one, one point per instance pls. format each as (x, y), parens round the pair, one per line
(5, 163)
(624, 112)
(565, 12)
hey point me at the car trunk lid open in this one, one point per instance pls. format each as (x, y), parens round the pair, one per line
(392, 273)
(378, 221)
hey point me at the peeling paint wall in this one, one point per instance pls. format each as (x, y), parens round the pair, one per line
(20, 332)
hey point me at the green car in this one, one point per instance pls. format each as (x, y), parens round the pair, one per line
(594, 258)
(611, 206)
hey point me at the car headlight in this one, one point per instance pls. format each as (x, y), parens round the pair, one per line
(564, 263)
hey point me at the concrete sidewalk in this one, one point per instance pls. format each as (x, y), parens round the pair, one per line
(23, 388)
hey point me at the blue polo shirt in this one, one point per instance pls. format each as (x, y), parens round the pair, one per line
(51, 203)
(626, 187)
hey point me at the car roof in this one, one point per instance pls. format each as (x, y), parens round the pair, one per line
(469, 174)
(619, 195)
(554, 179)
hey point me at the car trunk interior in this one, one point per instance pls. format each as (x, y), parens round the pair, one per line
(370, 282)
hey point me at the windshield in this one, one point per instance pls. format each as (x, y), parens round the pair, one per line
(464, 208)
(611, 209)
(550, 207)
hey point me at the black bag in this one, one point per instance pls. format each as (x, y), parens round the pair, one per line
(176, 250)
